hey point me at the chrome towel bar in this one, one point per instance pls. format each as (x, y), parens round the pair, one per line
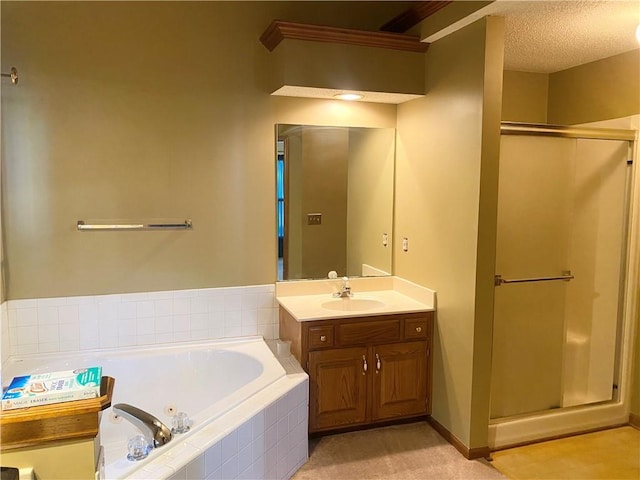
(137, 226)
(566, 276)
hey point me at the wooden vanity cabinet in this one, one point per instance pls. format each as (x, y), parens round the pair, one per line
(363, 370)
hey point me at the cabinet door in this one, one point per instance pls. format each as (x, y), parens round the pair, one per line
(338, 387)
(400, 380)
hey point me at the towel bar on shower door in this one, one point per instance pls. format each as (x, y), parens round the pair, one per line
(566, 276)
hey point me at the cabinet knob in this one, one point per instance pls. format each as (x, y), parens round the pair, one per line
(418, 329)
(323, 338)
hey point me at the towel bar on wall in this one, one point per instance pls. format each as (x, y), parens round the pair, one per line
(566, 276)
(136, 226)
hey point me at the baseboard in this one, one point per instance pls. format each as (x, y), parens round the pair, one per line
(634, 420)
(469, 453)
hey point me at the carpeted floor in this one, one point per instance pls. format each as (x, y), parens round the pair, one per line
(401, 452)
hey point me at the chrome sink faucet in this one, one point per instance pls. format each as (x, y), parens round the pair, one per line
(345, 289)
(149, 425)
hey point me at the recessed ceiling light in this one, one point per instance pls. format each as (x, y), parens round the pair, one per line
(348, 96)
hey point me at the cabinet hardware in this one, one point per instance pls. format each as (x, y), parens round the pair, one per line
(323, 338)
(418, 329)
(364, 365)
(377, 363)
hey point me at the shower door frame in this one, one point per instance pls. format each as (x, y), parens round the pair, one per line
(510, 431)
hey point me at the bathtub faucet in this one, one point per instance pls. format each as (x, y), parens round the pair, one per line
(149, 425)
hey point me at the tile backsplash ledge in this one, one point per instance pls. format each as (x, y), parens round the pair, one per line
(72, 324)
(5, 348)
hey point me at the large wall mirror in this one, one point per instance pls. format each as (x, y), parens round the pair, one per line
(335, 201)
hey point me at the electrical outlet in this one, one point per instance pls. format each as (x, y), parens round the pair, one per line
(385, 239)
(314, 219)
(405, 244)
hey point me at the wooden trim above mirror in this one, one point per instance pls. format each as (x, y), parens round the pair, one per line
(414, 15)
(279, 30)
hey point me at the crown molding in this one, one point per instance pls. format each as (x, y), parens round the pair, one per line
(413, 16)
(279, 30)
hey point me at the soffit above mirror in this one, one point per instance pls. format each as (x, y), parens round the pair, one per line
(315, 61)
(331, 94)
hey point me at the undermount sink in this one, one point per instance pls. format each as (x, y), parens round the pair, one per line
(352, 304)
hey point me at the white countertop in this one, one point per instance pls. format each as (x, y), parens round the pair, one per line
(387, 301)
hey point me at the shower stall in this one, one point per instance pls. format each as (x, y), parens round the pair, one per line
(562, 312)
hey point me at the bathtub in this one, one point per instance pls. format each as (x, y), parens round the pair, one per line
(247, 413)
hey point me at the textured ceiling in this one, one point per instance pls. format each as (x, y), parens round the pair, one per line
(541, 36)
(547, 36)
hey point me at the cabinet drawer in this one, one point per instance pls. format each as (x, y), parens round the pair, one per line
(321, 337)
(416, 328)
(368, 332)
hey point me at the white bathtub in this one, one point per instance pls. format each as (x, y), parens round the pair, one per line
(225, 388)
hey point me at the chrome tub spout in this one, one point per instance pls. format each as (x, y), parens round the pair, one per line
(149, 425)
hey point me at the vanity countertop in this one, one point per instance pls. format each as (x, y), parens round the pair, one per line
(360, 304)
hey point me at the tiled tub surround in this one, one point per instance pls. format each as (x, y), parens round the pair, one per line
(70, 324)
(258, 430)
(265, 439)
(5, 346)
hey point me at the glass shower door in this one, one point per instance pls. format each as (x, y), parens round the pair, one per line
(559, 256)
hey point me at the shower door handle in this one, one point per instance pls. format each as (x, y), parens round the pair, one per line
(566, 276)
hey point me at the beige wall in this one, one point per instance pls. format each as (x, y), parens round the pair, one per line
(370, 203)
(446, 183)
(141, 110)
(525, 96)
(600, 90)
(63, 460)
(292, 254)
(2, 266)
(325, 154)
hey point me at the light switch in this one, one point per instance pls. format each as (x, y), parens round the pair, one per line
(314, 219)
